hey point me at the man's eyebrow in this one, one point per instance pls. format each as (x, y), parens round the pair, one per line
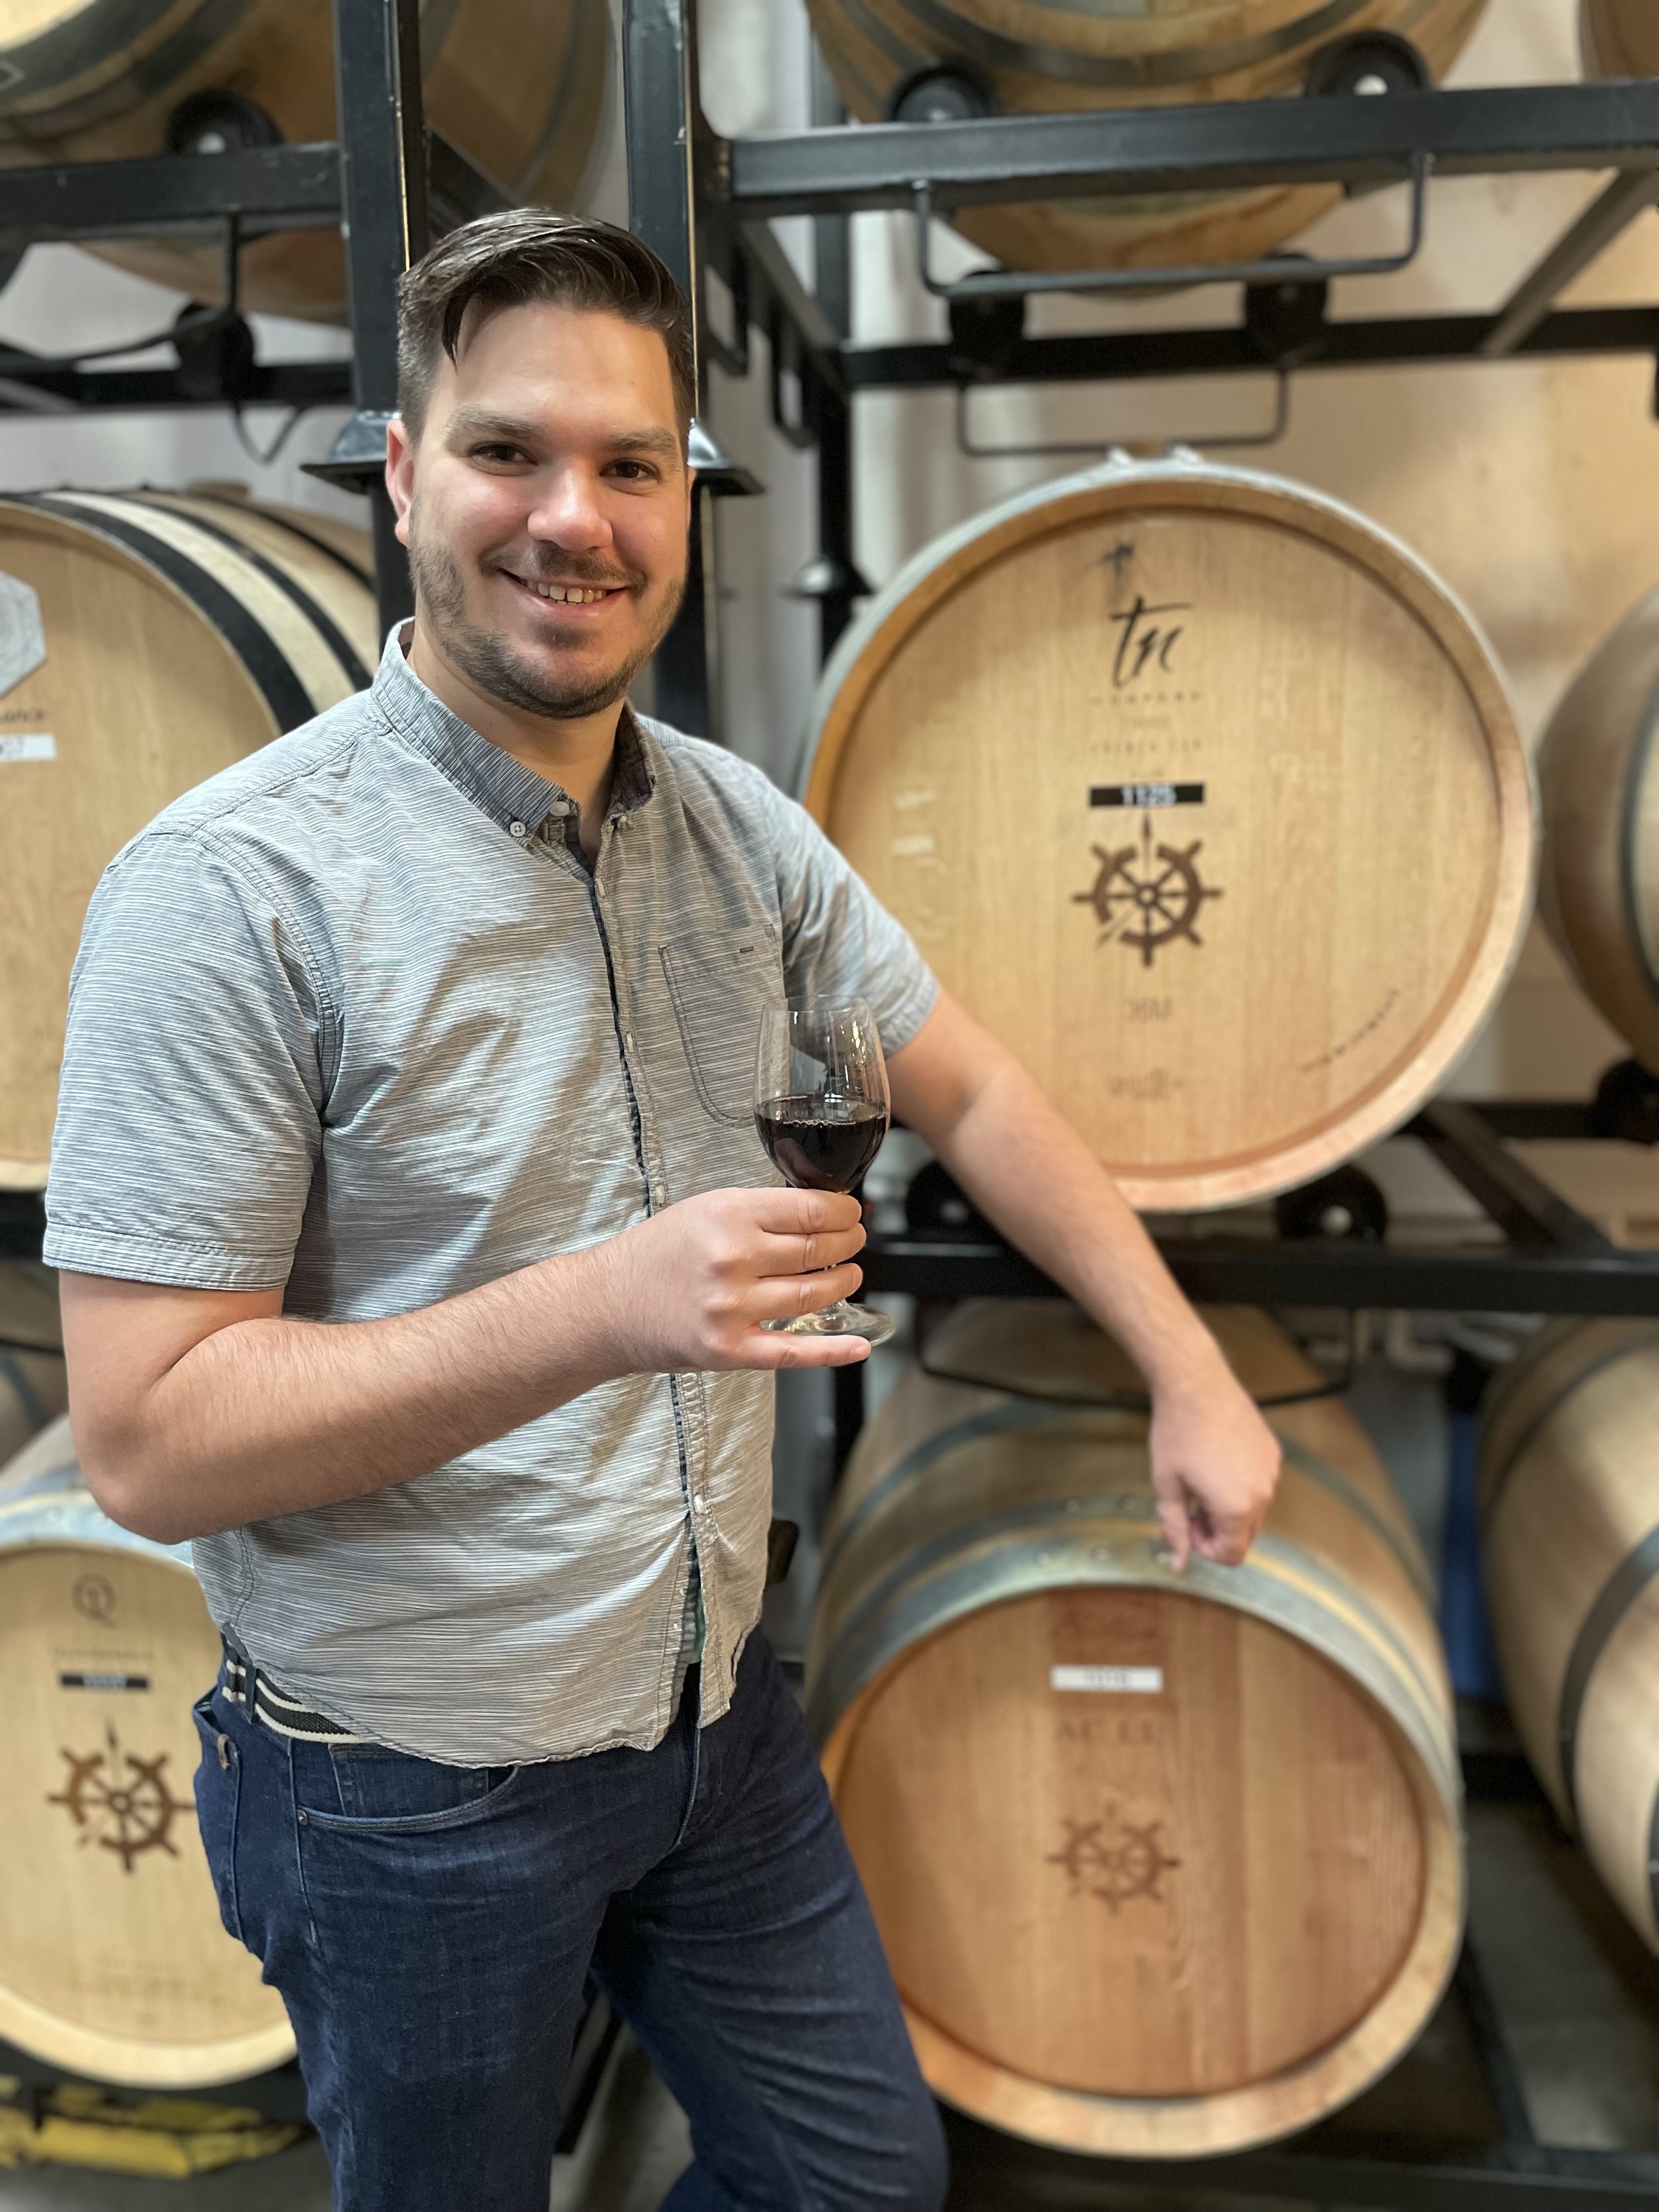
(644, 442)
(480, 421)
(474, 422)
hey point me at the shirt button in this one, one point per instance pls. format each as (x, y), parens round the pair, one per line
(517, 829)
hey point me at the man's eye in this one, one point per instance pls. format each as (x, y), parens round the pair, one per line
(635, 470)
(496, 453)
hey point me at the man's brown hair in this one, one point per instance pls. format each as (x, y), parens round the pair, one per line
(527, 256)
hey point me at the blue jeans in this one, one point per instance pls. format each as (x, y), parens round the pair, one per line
(430, 1929)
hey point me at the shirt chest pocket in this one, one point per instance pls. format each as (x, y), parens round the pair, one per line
(719, 980)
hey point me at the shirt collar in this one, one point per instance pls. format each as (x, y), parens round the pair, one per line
(500, 786)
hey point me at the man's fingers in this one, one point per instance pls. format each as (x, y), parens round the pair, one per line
(1177, 1527)
(785, 1297)
(789, 1253)
(804, 1212)
(1225, 1539)
(776, 1348)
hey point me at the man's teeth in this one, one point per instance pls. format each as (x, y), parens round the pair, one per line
(574, 594)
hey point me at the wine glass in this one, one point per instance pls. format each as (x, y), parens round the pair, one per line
(821, 1107)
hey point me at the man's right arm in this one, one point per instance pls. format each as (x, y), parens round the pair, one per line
(197, 1410)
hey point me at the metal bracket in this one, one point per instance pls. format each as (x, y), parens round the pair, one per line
(1206, 443)
(356, 461)
(1004, 283)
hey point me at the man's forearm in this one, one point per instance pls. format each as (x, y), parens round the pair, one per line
(276, 1415)
(1029, 1171)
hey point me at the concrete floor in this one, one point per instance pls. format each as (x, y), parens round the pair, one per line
(1577, 1995)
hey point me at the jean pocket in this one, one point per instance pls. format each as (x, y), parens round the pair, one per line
(718, 981)
(218, 1805)
(367, 1786)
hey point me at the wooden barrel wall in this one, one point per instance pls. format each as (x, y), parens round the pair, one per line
(1600, 882)
(1163, 1866)
(147, 640)
(521, 87)
(33, 1385)
(1570, 1511)
(1042, 56)
(1202, 794)
(113, 1959)
(1619, 37)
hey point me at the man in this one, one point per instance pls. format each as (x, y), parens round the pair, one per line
(417, 1250)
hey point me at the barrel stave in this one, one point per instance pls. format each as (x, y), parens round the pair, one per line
(1044, 60)
(1297, 1707)
(1570, 1506)
(521, 87)
(1619, 37)
(114, 1961)
(1600, 812)
(1231, 986)
(139, 694)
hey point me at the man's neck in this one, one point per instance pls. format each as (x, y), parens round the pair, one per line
(579, 754)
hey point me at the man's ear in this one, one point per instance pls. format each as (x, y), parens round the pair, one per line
(690, 486)
(400, 472)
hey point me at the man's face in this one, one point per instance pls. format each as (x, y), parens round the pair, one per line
(545, 506)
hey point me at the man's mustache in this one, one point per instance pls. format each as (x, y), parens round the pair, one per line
(572, 568)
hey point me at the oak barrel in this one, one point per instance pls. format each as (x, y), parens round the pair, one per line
(113, 1959)
(34, 1382)
(521, 87)
(147, 640)
(1600, 883)
(1042, 56)
(1203, 794)
(1163, 1866)
(1619, 37)
(1569, 1512)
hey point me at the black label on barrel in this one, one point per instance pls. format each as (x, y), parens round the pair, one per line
(103, 1682)
(1146, 794)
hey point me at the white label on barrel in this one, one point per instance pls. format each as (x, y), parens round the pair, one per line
(28, 745)
(1147, 1680)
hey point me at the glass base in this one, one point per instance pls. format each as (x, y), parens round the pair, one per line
(841, 1320)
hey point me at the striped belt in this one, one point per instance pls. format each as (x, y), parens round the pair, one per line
(242, 1684)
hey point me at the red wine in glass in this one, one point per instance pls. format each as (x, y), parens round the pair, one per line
(820, 1108)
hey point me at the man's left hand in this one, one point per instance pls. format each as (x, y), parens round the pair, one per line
(1215, 1464)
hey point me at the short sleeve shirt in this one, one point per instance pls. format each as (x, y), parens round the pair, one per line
(355, 1018)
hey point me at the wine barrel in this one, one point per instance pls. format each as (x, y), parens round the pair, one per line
(113, 1959)
(1042, 56)
(1619, 37)
(1201, 793)
(147, 640)
(1162, 1866)
(34, 1384)
(1599, 892)
(521, 87)
(1570, 1513)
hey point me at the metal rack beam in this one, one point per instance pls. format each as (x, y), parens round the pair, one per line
(1118, 356)
(1226, 147)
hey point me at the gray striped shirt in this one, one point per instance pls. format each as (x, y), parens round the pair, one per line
(354, 1018)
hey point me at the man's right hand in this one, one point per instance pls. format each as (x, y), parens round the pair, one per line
(200, 1410)
(690, 1289)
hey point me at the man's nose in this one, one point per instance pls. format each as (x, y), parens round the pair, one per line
(569, 512)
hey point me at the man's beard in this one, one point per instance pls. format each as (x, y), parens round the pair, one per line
(486, 659)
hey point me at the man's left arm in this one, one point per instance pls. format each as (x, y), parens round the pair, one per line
(1214, 1459)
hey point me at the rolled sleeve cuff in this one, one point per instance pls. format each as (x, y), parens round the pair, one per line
(170, 1261)
(912, 1009)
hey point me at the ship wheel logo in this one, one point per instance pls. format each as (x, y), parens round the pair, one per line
(1114, 1860)
(1147, 895)
(119, 1801)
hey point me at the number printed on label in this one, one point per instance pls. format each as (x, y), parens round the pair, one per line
(29, 746)
(1144, 1681)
